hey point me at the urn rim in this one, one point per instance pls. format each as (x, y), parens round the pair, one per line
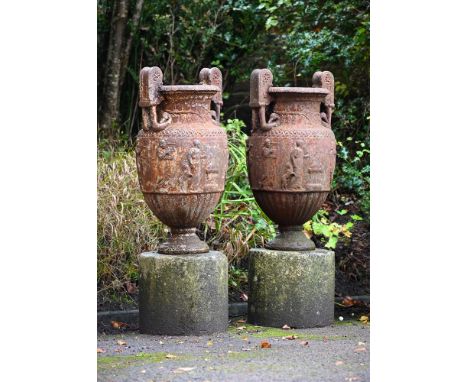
(189, 88)
(297, 90)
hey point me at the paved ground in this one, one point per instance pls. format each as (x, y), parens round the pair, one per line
(336, 353)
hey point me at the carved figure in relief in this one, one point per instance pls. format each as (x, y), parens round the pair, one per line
(315, 173)
(192, 167)
(294, 174)
(268, 153)
(212, 170)
(165, 153)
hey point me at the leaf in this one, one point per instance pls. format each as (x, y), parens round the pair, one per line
(209, 343)
(304, 343)
(121, 342)
(341, 212)
(286, 327)
(338, 363)
(170, 356)
(348, 301)
(265, 345)
(119, 325)
(360, 349)
(241, 327)
(241, 321)
(244, 297)
(99, 350)
(364, 319)
(356, 217)
(291, 337)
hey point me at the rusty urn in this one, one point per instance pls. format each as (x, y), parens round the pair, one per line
(182, 158)
(182, 154)
(291, 153)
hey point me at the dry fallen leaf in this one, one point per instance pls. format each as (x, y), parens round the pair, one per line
(291, 337)
(121, 342)
(245, 338)
(364, 319)
(338, 363)
(240, 321)
(119, 325)
(241, 327)
(305, 343)
(131, 288)
(360, 349)
(265, 345)
(209, 343)
(286, 327)
(99, 350)
(171, 356)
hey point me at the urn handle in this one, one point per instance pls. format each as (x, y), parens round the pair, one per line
(214, 76)
(326, 80)
(151, 80)
(260, 82)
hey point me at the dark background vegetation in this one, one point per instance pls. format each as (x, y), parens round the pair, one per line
(291, 38)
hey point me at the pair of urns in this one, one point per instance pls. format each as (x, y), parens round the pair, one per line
(182, 154)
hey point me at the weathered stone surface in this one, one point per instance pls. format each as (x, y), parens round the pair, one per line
(293, 288)
(183, 294)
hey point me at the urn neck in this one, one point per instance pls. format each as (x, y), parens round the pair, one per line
(298, 105)
(188, 103)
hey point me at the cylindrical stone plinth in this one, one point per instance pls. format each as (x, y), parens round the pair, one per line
(183, 294)
(296, 288)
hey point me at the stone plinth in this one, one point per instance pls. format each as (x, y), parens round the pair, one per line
(296, 288)
(183, 294)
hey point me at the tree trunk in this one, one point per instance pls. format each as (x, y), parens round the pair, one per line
(110, 109)
(126, 54)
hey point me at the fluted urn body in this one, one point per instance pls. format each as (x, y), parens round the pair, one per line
(291, 158)
(182, 157)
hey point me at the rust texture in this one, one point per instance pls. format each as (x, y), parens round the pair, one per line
(291, 153)
(181, 154)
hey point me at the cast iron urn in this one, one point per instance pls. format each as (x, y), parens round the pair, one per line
(291, 153)
(181, 154)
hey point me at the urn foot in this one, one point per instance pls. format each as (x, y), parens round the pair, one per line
(291, 287)
(183, 294)
(291, 238)
(183, 241)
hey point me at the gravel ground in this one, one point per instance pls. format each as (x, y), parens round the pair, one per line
(336, 353)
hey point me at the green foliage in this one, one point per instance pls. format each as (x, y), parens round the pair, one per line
(237, 222)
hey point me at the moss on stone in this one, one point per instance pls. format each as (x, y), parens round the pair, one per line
(268, 332)
(123, 361)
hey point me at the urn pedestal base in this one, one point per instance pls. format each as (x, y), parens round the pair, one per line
(291, 287)
(183, 241)
(291, 238)
(183, 294)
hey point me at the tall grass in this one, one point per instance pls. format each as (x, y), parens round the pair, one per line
(126, 226)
